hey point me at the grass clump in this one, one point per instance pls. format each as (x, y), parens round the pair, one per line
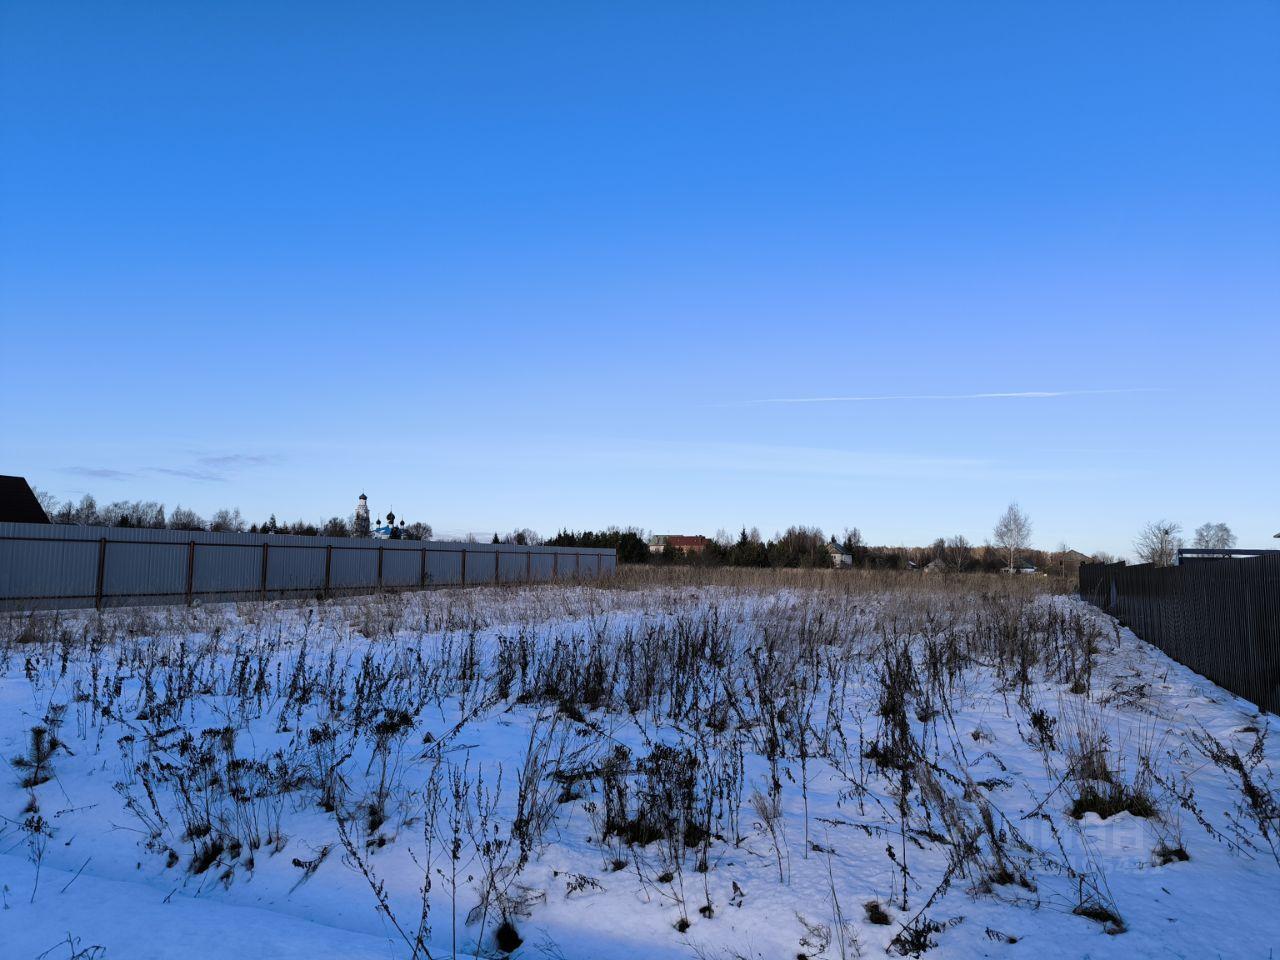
(876, 914)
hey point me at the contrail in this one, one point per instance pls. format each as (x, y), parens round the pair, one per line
(1012, 395)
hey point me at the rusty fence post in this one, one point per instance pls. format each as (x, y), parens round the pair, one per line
(102, 568)
(463, 581)
(497, 559)
(379, 568)
(555, 565)
(191, 569)
(266, 547)
(528, 566)
(328, 568)
(422, 574)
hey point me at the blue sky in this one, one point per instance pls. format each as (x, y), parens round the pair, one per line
(548, 265)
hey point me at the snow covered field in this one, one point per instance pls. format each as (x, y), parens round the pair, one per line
(953, 770)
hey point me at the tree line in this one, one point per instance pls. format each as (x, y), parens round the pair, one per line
(804, 546)
(799, 546)
(150, 514)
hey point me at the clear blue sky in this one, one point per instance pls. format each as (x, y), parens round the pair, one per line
(524, 264)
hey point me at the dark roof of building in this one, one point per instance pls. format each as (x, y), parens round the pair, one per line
(18, 504)
(681, 540)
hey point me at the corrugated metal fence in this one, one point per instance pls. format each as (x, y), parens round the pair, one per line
(46, 566)
(1219, 617)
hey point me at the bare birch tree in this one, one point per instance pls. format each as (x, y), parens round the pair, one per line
(1214, 536)
(1013, 533)
(958, 552)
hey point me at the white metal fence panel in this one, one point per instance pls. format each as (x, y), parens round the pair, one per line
(62, 566)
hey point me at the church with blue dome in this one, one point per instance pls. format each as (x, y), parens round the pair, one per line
(386, 528)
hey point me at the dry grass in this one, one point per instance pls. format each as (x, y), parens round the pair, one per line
(846, 582)
(861, 685)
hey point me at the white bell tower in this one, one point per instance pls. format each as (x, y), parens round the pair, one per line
(362, 517)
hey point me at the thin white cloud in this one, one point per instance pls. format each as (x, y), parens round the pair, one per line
(101, 473)
(237, 460)
(214, 468)
(727, 458)
(1009, 395)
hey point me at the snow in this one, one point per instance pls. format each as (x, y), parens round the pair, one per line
(102, 882)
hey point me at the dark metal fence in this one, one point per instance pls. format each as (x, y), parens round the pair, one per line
(1220, 617)
(44, 566)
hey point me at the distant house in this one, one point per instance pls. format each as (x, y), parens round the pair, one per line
(1068, 562)
(937, 565)
(689, 544)
(18, 504)
(1022, 565)
(840, 557)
